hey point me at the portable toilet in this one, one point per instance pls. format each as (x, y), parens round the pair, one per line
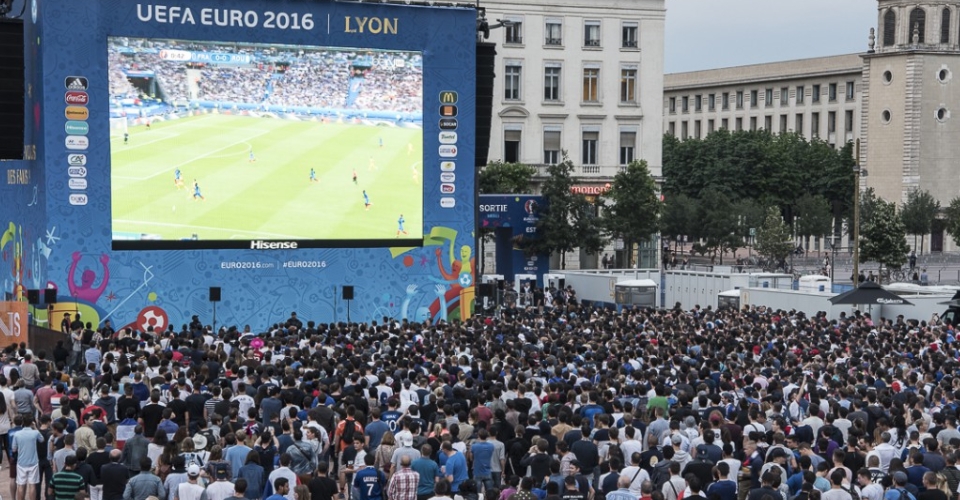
(815, 283)
(636, 293)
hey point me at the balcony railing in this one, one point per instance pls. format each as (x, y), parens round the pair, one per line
(591, 43)
(629, 44)
(554, 41)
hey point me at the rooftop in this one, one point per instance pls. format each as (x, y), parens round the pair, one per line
(775, 71)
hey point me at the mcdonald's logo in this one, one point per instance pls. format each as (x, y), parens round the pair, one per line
(448, 97)
(448, 111)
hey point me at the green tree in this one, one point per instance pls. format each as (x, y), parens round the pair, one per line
(882, 233)
(812, 216)
(774, 242)
(717, 224)
(505, 178)
(952, 220)
(750, 215)
(633, 214)
(918, 214)
(679, 216)
(556, 231)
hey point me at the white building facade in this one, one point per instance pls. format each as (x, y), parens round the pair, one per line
(580, 76)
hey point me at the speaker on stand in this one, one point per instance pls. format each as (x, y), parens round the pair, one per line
(348, 296)
(214, 298)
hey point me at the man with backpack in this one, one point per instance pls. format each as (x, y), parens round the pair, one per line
(346, 430)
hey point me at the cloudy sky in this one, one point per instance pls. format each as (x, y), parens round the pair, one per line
(705, 34)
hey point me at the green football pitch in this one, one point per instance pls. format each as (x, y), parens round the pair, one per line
(271, 198)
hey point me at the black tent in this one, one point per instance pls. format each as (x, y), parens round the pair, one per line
(869, 293)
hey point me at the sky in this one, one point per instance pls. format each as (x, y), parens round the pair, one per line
(707, 34)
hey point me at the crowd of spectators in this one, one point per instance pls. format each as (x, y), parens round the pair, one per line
(557, 401)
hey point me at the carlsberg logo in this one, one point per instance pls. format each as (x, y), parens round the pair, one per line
(273, 245)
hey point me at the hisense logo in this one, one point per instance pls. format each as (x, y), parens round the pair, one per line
(273, 245)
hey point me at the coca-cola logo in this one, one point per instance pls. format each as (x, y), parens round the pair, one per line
(76, 97)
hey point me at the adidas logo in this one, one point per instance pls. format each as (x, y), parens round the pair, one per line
(76, 83)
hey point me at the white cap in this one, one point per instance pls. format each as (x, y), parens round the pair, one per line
(193, 470)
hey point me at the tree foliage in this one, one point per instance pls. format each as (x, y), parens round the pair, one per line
(773, 170)
(952, 219)
(882, 233)
(567, 221)
(812, 216)
(717, 224)
(918, 213)
(679, 217)
(633, 215)
(505, 178)
(773, 237)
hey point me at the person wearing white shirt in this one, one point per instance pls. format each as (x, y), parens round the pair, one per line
(869, 490)
(885, 451)
(636, 475)
(814, 420)
(630, 445)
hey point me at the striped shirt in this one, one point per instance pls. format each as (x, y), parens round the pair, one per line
(66, 485)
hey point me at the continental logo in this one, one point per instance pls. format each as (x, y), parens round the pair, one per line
(76, 113)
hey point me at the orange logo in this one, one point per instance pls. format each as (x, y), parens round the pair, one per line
(76, 113)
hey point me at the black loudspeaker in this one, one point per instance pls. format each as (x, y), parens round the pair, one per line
(501, 284)
(348, 292)
(214, 294)
(11, 89)
(560, 283)
(33, 297)
(49, 296)
(486, 63)
(486, 290)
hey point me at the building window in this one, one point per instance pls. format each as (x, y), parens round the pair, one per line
(673, 104)
(696, 130)
(815, 124)
(629, 35)
(739, 99)
(739, 124)
(798, 123)
(725, 101)
(628, 144)
(754, 98)
(848, 121)
(783, 124)
(768, 98)
(918, 20)
(945, 26)
(800, 94)
(590, 140)
(889, 28)
(683, 131)
(511, 82)
(724, 123)
(784, 96)
(591, 34)
(591, 84)
(831, 122)
(628, 85)
(551, 147)
(511, 146)
(551, 83)
(816, 93)
(514, 31)
(832, 92)
(553, 33)
(697, 103)
(710, 126)
(712, 102)
(753, 123)
(850, 91)
(672, 129)
(685, 104)
(768, 122)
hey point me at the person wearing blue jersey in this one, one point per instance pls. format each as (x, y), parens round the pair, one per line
(178, 179)
(253, 158)
(313, 176)
(481, 453)
(368, 481)
(391, 417)
(455, 468)
(196, 191)
(366, 200)
(400, 229)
